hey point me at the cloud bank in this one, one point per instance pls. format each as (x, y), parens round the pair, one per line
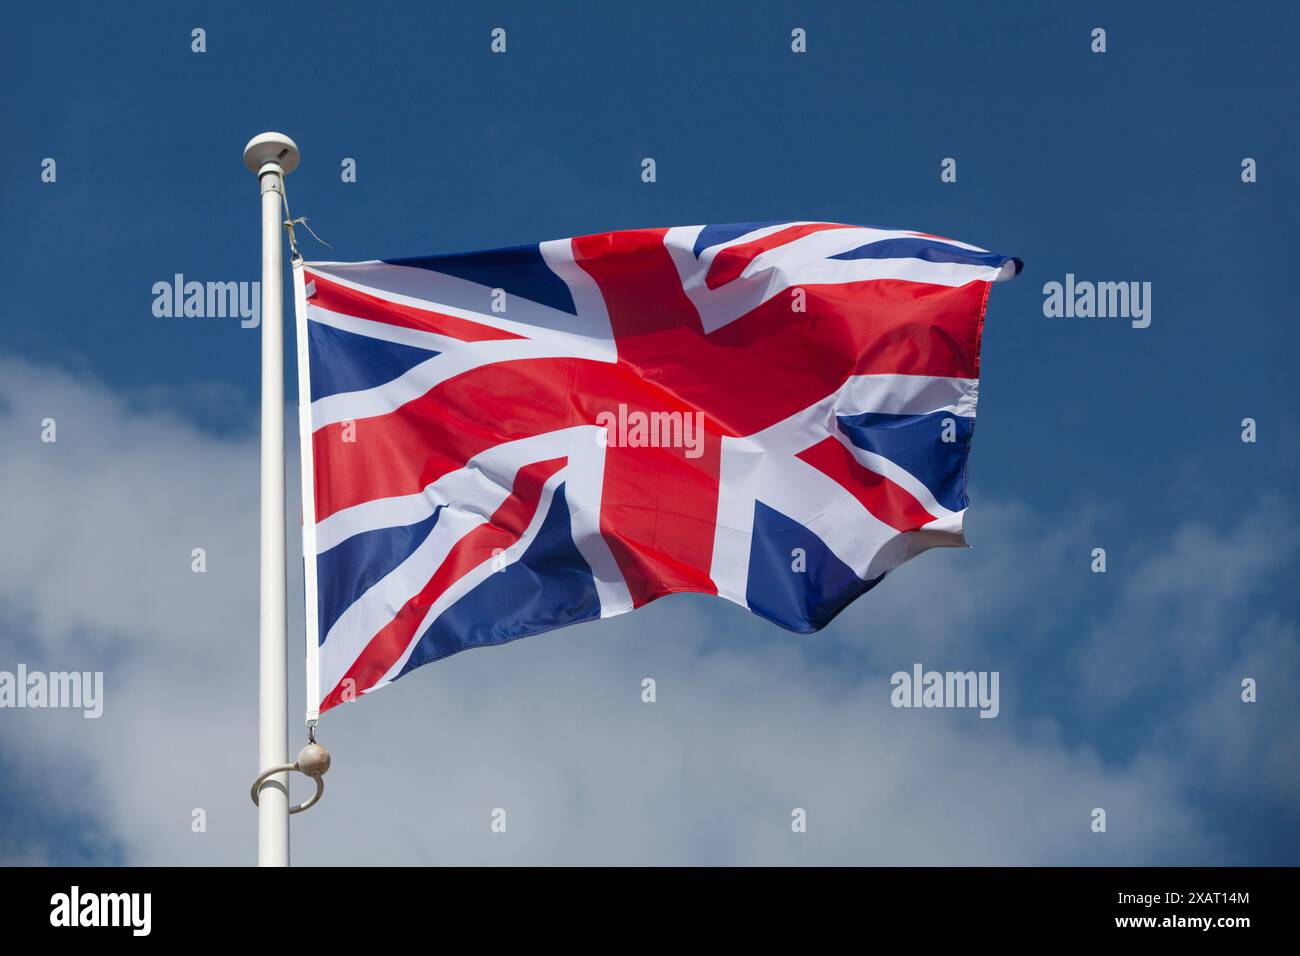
(749, 723)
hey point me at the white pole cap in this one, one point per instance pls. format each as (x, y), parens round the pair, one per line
(271, 148)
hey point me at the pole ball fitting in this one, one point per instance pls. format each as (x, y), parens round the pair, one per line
(313, 760)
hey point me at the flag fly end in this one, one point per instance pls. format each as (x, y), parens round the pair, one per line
(1010, 269)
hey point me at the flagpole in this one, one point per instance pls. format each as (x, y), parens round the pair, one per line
(271, 156)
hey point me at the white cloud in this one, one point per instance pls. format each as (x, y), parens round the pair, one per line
(1197, 614)
(1184, 603)
(749, 723)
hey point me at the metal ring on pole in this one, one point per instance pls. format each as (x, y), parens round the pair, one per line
(313, 760)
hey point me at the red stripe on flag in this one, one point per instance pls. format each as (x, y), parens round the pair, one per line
(339, 298)
(402, 452)
(772, 362)
(730, 262)
(503, 529)
(649, 311)
(658, 514)
(658, 507)
(889, 502)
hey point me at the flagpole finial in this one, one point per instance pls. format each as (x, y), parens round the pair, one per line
(271, 148)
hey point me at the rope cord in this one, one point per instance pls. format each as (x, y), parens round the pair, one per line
(289, 222)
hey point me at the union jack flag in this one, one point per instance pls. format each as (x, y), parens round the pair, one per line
(501, 443)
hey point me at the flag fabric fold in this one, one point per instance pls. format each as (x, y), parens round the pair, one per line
(501, 443)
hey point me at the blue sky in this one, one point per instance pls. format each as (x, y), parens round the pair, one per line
(1114, 167)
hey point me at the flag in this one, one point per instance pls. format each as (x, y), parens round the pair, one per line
(496, 444)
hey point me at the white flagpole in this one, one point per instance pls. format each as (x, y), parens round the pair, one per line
(272, 156)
